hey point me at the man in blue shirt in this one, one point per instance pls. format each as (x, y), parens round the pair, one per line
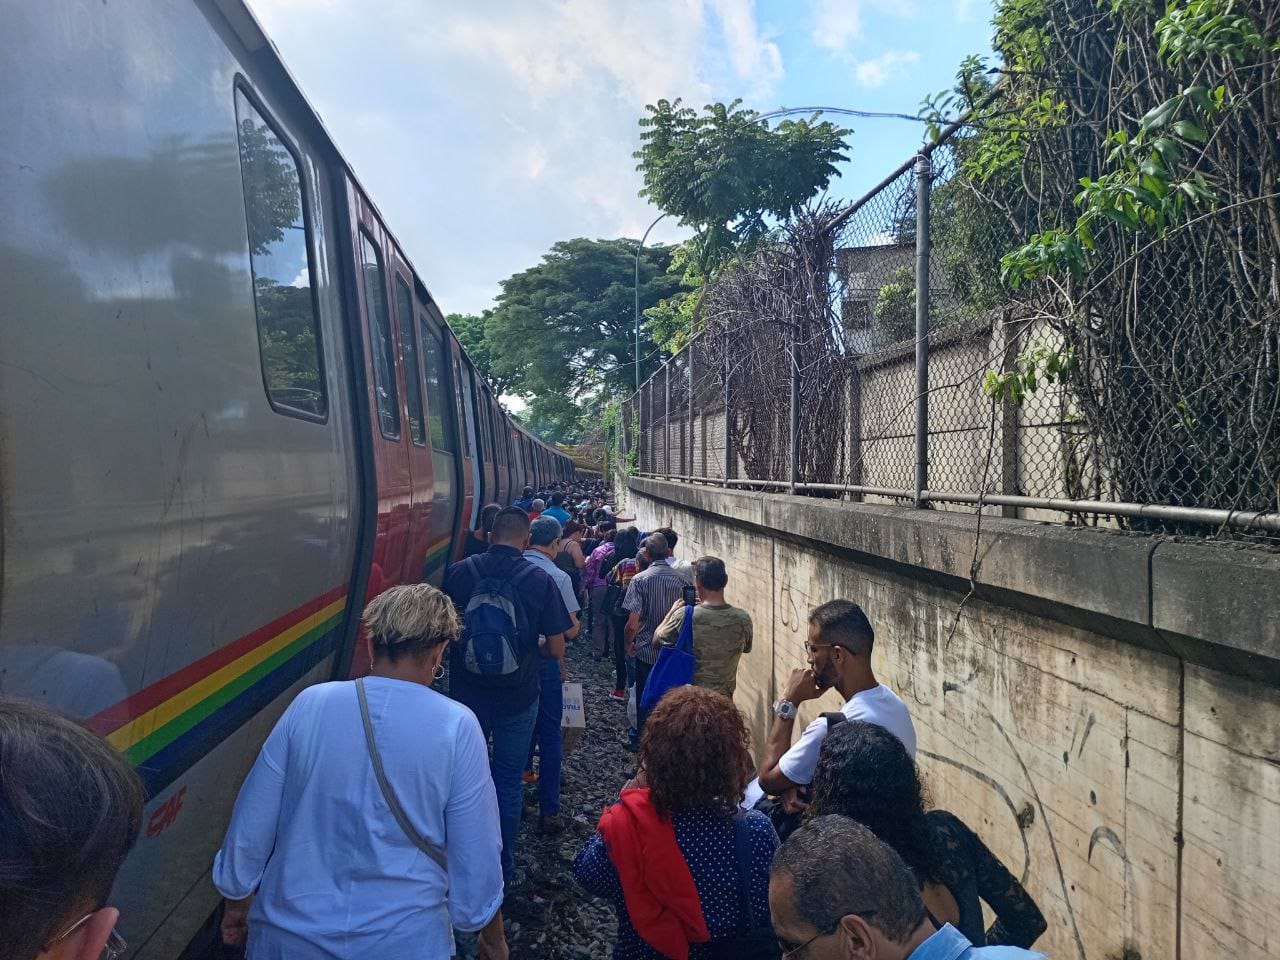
(525, 502)
(544, 544)
(507, 705)
(557, 510)
(837, 892)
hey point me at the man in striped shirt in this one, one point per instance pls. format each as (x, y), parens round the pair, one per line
(650, 596)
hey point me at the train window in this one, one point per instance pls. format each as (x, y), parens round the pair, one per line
(384, 356)
(408, 355)
(437, 405)
(279, 238)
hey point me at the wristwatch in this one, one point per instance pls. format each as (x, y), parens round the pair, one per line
(785, 709)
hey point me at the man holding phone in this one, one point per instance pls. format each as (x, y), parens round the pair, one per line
(839, 654)
(721, 633)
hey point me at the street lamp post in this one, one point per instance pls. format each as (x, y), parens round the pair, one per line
(637, 292)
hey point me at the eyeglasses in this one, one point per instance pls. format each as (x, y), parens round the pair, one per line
(113, 949)
(793, 951)
(810, 647)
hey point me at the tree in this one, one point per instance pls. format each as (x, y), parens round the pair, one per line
(469, 329)
(554, 418)
(564, 330)
(725, 172)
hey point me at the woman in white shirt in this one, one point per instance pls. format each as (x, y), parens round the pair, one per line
(314, 842)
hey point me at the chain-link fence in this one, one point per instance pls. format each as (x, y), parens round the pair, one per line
(846, 358)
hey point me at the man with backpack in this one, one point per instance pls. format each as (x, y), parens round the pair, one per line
(505, 603)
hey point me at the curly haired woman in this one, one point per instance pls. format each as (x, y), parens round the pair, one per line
(864, 773)
(686, 871)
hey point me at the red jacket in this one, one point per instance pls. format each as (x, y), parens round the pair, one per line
(657, 886)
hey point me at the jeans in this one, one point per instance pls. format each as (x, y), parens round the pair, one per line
(642, 675)
(622, 673)
(547, 738)
(599, 621)
(510, 734)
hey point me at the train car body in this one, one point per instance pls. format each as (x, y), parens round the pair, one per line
(230, 410)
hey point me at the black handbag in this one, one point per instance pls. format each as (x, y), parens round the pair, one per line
(757, 940)
(785, 823)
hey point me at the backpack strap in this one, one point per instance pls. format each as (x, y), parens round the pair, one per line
(834, 718)
(418, 840)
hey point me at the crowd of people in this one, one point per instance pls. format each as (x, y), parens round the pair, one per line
(825, 848)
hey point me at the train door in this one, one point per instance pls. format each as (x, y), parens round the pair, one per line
(442, 436)
(389, 434)
(421, 537)
(484, 434)
(471, 438)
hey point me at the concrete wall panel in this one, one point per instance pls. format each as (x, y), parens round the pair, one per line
(1068, 749)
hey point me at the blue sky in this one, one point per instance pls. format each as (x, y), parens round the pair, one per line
(487, 130)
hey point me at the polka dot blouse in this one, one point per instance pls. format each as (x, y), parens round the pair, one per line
(706, 840)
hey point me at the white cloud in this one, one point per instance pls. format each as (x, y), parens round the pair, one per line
(303, 279)
(837, 24)
(877, 71)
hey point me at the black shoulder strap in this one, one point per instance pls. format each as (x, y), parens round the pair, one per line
(833, 718)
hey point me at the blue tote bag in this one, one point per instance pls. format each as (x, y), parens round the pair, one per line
(674, 667)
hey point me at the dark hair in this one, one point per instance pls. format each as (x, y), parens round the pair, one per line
(511, 525)
(655, 545)
(710, 572)
(488, 513)
(865, 773)
(838, 867)
(570, 528)
(70, 811)
(528, 491)
(694, 751)
(557, 500)
(842, 622)
(626, 543)
(670, 536)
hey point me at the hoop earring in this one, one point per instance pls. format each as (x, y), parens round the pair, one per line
(438, 672)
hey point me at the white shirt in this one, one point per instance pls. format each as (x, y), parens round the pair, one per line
(335, 875)
(558, 576)
(877, 705)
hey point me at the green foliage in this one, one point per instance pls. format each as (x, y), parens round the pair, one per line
(895, 308)
(469, 328)
(562, 333)
(724, 172)
(1034, 366)
(556, 419)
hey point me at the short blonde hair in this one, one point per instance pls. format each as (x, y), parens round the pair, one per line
(410, 618)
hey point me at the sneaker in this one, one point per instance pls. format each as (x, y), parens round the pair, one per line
(530, 777)
(549, 826)
(619, 695)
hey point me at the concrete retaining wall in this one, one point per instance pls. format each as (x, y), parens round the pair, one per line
(1104, 710)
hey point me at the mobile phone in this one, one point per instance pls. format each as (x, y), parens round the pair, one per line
(690, 596)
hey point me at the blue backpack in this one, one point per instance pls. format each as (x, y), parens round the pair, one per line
(494, 624)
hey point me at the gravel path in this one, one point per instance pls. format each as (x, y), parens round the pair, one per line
(550, 917)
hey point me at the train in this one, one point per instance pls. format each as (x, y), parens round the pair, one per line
(231, 411)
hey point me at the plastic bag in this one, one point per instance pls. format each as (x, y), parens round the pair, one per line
(573, 717)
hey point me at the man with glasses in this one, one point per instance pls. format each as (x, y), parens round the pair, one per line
(837, 892)
(839, 654)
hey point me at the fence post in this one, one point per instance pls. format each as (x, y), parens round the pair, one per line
(923, 176)
(689, 453)
(666, 420)
(1008, 418)
(730, 448)
(646, 446)
(794, 451)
